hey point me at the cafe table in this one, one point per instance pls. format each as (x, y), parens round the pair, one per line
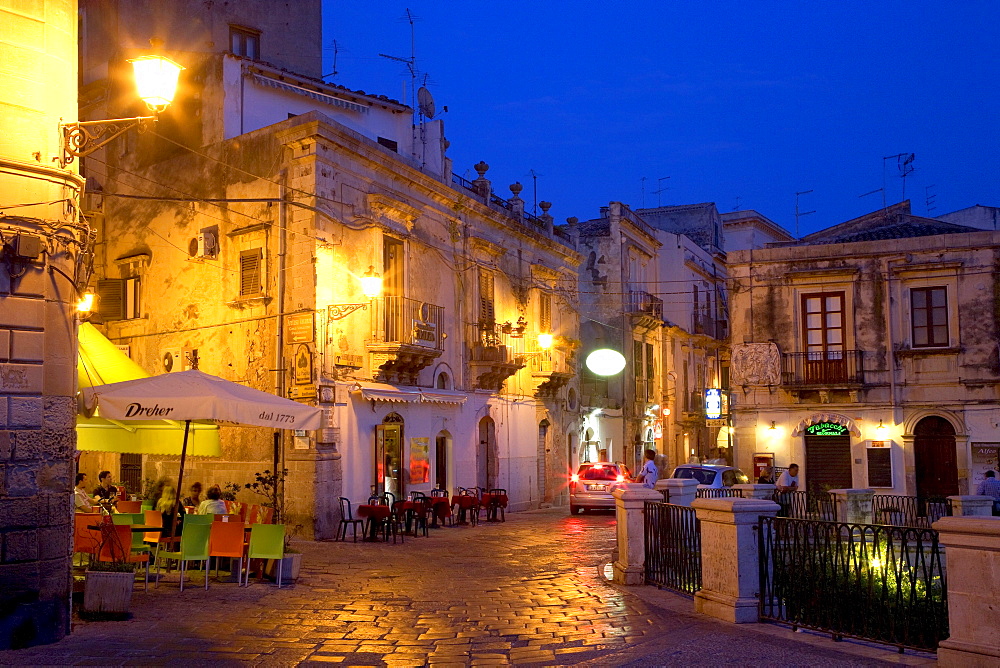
(466, 503)
(440, 509)
(375, 514)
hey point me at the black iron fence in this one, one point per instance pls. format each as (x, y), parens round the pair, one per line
(673, 547)
(803, 505)
(908, 511)
(831, 367)
(721, 493)
(874, 582)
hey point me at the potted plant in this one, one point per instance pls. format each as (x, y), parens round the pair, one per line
(107, 590)
(271, 486)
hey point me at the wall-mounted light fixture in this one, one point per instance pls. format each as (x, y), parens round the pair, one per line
(156, 84)
(545, 341)
(773, 426)
(86, 303)
(881, 430)
(371, 287)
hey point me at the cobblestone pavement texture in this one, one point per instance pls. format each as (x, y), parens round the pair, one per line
(527, 591)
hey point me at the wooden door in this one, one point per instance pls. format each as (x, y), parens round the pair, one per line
(486, 461)
(935, 458)
(824, 334)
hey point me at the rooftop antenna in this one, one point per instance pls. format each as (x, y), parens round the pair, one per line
(660, 188)
(534, 189)
(929, 198)
(737, 207)
(799, 214)
(904, 162)
(643, 182)
(411, 62)
(336, 50)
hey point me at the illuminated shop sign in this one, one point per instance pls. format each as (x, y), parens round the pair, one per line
(826, 429)
(713, 403)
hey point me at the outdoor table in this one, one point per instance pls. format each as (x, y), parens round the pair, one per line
(440, 507)
(413, 508)
(492, 503)
(464, 503)
(374, 514)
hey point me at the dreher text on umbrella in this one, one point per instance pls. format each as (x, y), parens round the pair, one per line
(135, 409)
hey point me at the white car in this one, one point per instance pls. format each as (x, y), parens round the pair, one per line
(711, 476)
(591, 486)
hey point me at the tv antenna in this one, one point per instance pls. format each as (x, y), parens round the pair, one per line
(737, 207)
(336, 50)
(799, 214)
(660, 188)
(872, 192)
(534, 190)
(642, 181)
(904, 163)
(411, 62)
(929, 198)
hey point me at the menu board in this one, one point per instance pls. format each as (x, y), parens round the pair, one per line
(879, 467)
(984, 458)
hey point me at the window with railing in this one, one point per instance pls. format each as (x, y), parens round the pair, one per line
(408, 321)
(831, 367)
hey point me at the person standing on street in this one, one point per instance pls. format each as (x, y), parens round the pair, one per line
(788, 481)
(990, 486)
(649, 474)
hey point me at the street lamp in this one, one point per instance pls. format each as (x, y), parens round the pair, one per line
(544, 341)
(156, 83)
(605, 362)
(371, 287)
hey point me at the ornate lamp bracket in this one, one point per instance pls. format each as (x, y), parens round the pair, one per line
(83, 138)
(340, 311)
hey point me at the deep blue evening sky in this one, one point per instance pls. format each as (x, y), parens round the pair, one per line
(748, 100)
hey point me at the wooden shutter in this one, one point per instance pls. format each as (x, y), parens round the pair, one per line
(544, 312)
(111, 298)
(250, 272)
(487, 312)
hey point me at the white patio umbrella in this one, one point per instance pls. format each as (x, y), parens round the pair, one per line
(195, 395)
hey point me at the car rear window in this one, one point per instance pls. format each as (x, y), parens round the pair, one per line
(603, 473)
(703, 476)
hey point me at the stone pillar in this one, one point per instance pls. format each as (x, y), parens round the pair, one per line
(973, 548)
(730, 578)
(629, 502)
(546, 217)
(482, 184)
(516, 203)
(755, 491)
(574, 230)
(854, 506)
(971, 506)
(678, 491)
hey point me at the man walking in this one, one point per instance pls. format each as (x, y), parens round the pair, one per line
(649, 474)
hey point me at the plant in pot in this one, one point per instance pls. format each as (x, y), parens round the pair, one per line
(107, 591)
(271, 486)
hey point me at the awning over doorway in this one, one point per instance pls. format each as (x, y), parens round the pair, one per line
(100, 362)
(386, 392)
(443, 397)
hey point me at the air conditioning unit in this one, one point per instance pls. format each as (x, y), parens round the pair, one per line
(172, 360)
(207, 244)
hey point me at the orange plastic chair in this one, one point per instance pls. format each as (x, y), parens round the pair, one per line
(226, 540)
(86, 541)
(243, 511)
(129, 506)
(153, 518)
(117, 546)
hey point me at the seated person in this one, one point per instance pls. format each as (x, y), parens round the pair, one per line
(82, 503)
(168, 497)
(195, 499)
(106, 493)
(213, 505)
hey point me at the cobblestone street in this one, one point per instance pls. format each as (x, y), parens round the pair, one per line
(527, 591)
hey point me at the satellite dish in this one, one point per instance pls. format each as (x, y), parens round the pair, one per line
(426, 102)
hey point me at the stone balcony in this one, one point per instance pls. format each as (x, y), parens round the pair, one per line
(407, 338)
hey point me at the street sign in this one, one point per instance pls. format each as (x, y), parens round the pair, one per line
(715, 422)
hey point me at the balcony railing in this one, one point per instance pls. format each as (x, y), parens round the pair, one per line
(832, 367)
(643, 302)
(408, 321)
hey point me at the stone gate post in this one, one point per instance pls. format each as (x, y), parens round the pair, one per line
(678, 491)
(629, 509)
(971, 506)
(973, 561)
(730, 580)
(853, 506)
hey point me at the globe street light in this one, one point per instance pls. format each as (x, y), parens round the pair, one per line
(605, 362)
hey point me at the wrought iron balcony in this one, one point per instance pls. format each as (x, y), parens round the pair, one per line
(406, 338)
(551, 369)
(491, 358)
(823, 369)
(643, 303)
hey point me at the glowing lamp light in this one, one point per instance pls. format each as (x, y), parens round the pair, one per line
(156, 80)
(605, 362)
(544, 341)
(620, 478)
(371, 283)
(86, 303)
(881, 430)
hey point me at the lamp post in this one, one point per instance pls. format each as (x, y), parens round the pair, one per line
(156, 83)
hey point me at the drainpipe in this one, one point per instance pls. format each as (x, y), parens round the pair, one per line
(890, 349)
(279, 352)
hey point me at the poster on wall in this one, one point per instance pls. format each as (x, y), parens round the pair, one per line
(420, 464)
(984, 458)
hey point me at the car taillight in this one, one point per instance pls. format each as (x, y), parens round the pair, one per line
(598, 467)
(621, 478)
(574, 478)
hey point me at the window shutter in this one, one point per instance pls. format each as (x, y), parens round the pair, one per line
(487, 312)
(111, 298)
(250, 272)
(545, 313)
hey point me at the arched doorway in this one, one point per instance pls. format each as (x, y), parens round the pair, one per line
(486, 458)
(389, 456)
(442, 460)
(935, 459)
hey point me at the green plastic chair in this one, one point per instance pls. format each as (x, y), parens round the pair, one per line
(146, 506)
(194, 547)
(267, 541)
(198, 519)
(128, 518)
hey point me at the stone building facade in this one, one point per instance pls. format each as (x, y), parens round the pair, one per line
(245, 235)
(867, 354)
(44, 262)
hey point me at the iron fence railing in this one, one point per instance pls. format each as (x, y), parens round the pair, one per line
(465, 183)
(640, 301)
(408, 321)
(880, 583)
(721, 493)
(673, 547)
(803, 505)
(908, 511)
(831, 367)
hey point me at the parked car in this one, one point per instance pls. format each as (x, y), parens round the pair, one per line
(711, 476)
(592, 484)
